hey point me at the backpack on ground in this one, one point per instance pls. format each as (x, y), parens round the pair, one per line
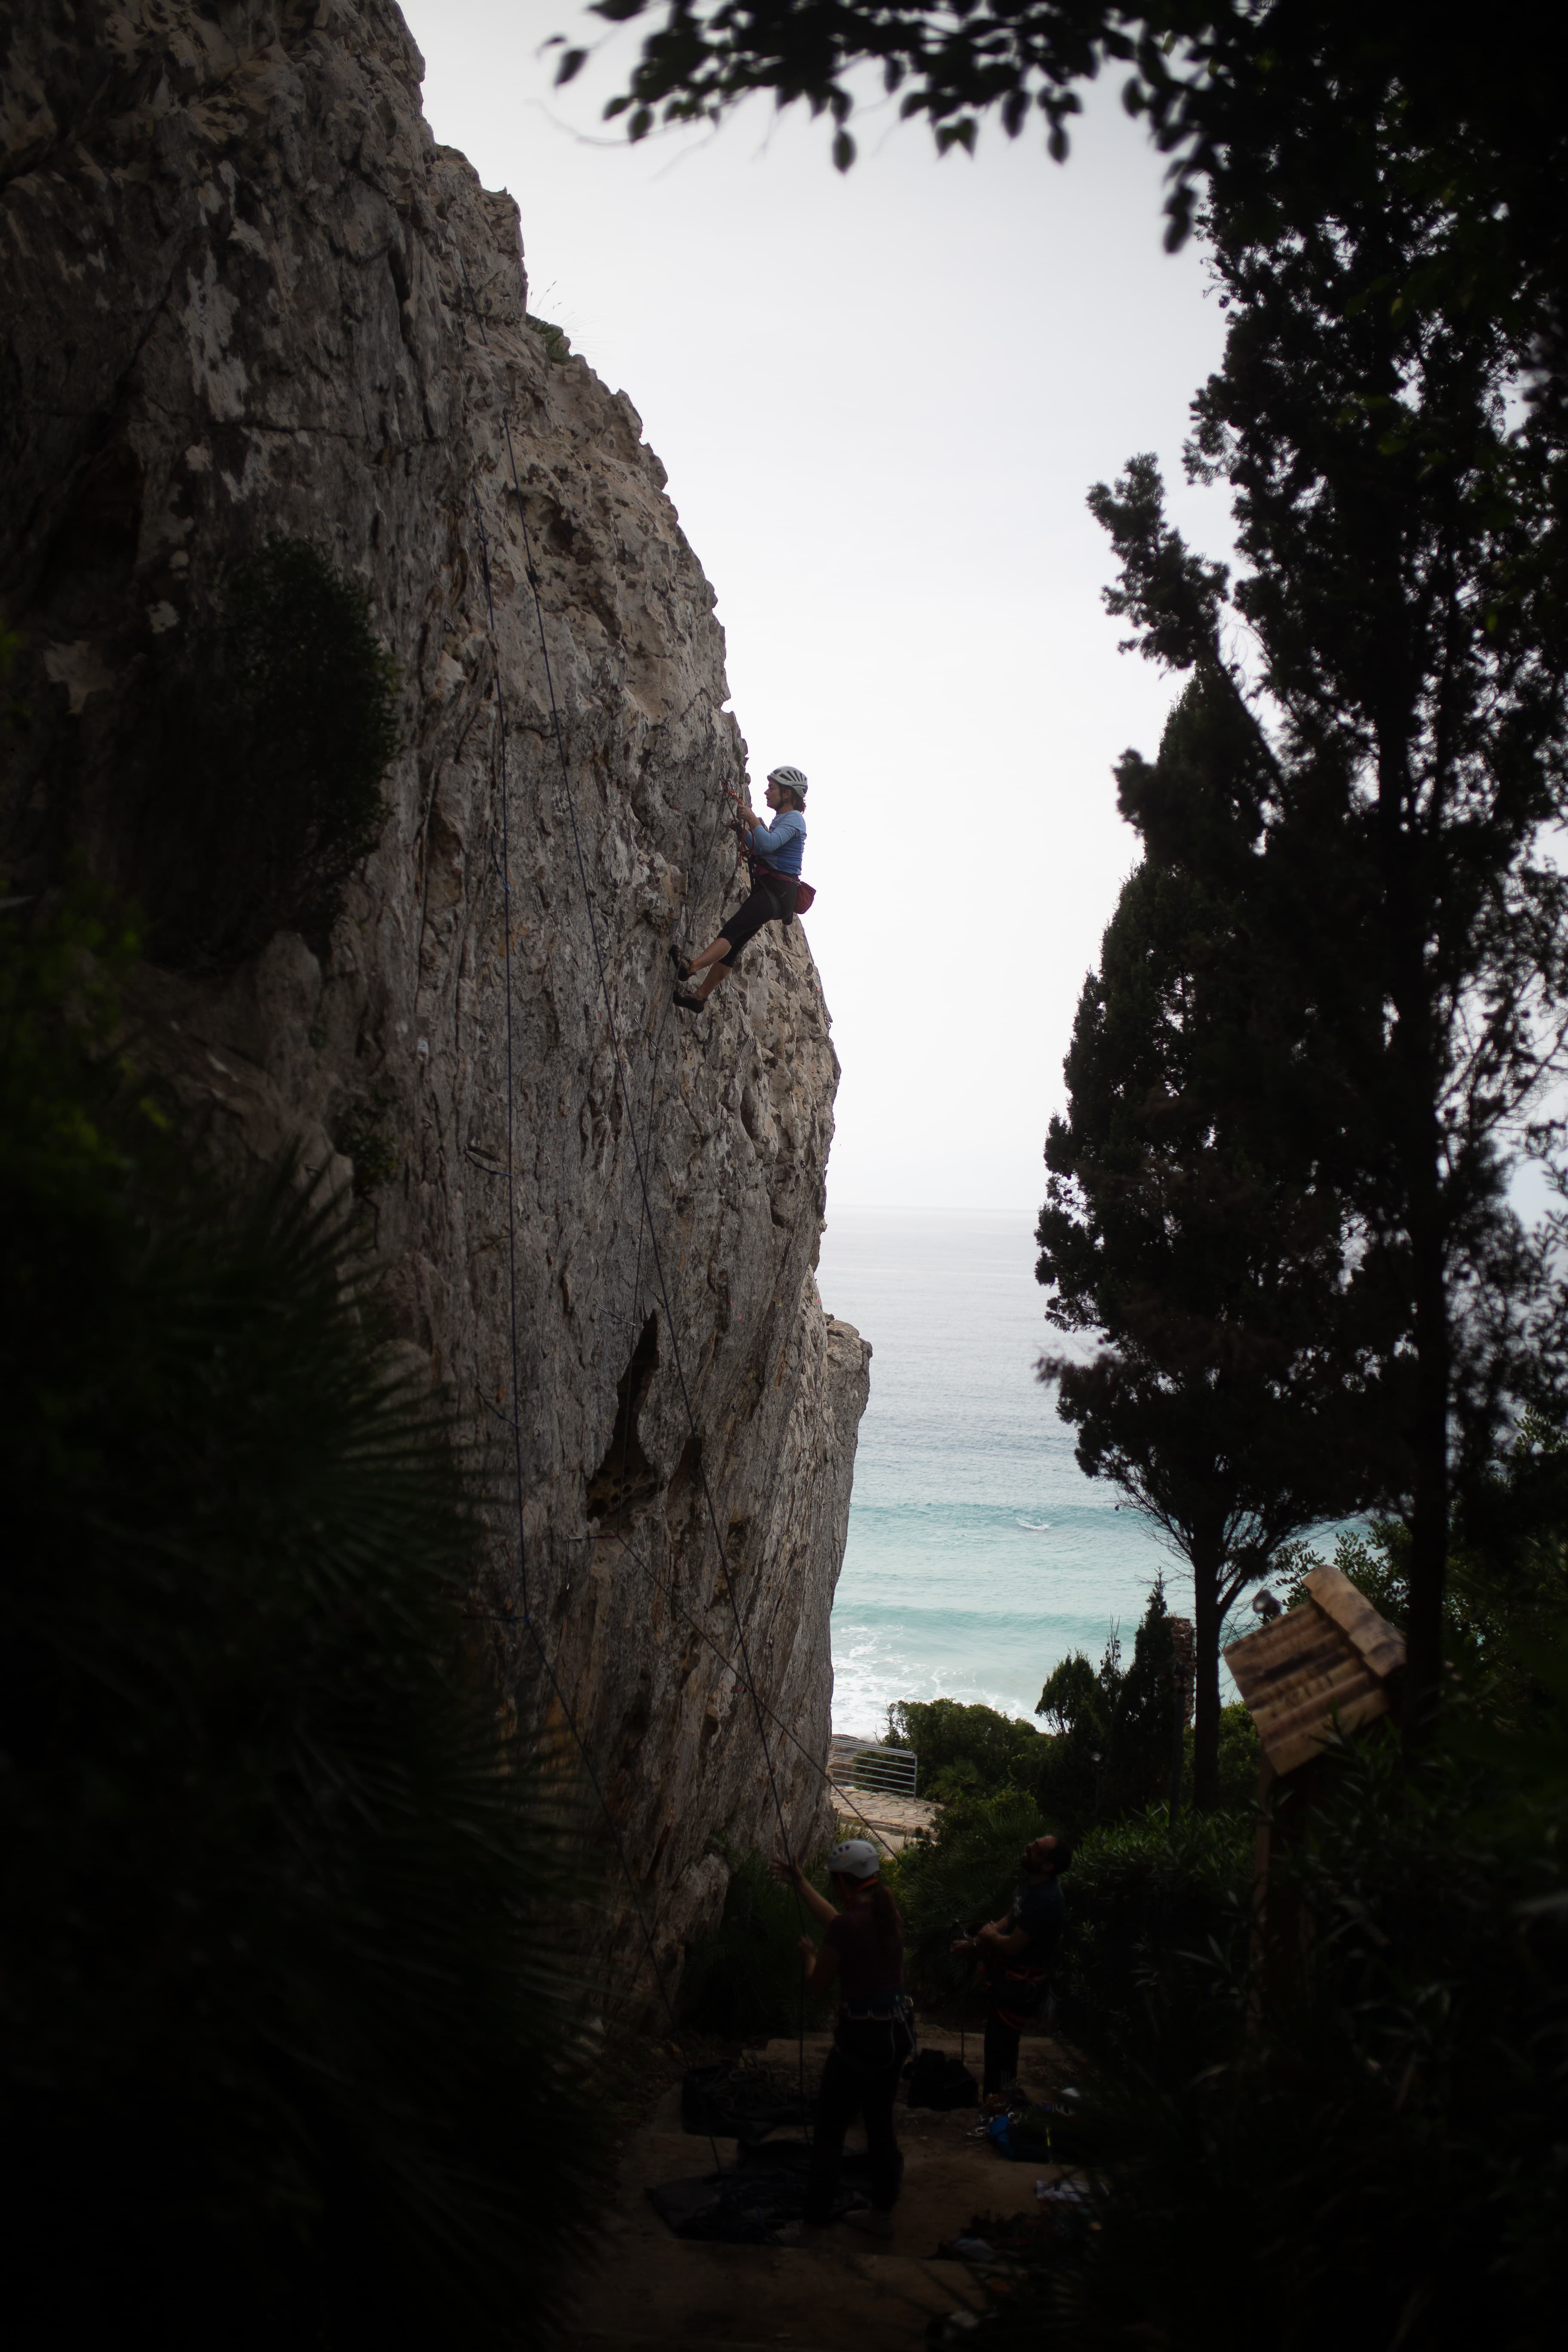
(937, 2079)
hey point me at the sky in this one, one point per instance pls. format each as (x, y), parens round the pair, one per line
(881, 398)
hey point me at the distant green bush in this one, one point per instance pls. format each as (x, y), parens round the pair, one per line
(271, 733)
(1113, 1750)
(1110, 1749)
(961, 1746)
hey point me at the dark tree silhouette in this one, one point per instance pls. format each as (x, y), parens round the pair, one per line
(1269, 104)
(1236, 1397)
(1399, 920)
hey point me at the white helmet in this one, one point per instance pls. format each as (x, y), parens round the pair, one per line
(790, 778)
(856, 1857)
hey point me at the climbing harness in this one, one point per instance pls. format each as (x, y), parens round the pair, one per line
(749, 1680)
(864, 2053)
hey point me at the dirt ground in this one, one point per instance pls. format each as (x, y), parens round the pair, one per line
(853, 2293)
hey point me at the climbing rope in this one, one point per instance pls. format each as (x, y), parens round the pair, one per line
(640, 1560)
(748, 1678)
(531, 574)
(528, 1624)
(697, 1626)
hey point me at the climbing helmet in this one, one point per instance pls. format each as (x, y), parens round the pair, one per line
(790, 778)
(856, 1857)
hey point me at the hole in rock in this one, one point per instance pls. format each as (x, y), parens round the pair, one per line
(90, 561)
(625, 1477)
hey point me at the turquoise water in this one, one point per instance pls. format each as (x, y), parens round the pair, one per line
(979, 1554)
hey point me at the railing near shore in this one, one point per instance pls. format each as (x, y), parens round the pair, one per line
(889, 1772)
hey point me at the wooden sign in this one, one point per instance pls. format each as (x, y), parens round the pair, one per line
(1327, 1660)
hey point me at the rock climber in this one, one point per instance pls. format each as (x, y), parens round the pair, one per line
(777, 851)
(1019, 1953)
(862, 1953)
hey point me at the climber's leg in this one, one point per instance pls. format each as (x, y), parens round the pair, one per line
(771, 900)
(714, 954)
(694, 1002)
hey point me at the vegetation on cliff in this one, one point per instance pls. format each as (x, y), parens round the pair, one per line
(265, 746)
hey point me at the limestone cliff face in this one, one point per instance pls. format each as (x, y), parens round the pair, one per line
(240, 285)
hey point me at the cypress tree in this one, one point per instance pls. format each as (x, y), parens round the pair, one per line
(1231, 1400)
(1397, 920)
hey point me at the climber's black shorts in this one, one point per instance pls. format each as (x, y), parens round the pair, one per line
(772, 901)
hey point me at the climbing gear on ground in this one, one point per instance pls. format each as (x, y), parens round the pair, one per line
(939, 2080)
(733, 2099)
(1035, 2133)
(1059, 2225)
(756, 2203)
(855, 1858)
(790, 778)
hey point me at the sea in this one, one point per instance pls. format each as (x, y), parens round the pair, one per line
(979, 1554)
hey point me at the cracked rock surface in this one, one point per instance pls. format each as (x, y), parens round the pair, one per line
(247, 294)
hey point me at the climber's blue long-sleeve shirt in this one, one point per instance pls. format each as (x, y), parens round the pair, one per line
(783, 844)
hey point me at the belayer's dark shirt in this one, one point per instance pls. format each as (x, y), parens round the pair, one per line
(1042, 1912)
(865, 1966)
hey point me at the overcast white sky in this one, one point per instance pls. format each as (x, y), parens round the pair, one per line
(880, 399)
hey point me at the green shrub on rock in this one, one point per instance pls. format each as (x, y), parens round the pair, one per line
(270, 736)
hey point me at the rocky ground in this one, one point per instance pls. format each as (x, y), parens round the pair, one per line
(851, 2293)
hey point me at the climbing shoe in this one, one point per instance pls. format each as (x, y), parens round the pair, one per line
(682, 969)
(690, 1004)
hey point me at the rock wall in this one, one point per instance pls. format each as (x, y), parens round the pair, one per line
(246, 294)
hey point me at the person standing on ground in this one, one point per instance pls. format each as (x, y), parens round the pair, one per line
(862, 1953)
(1019, 1954)
(778, 851)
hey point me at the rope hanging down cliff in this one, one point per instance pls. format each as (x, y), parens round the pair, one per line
(621, 1078)
(528, 1624)
(531, 574)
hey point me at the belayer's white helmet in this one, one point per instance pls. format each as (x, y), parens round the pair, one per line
(793, 781)
(856, 1857)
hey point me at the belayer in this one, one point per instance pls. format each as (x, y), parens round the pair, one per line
(863, 1953)
(775, 853)
(1019, 1953)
